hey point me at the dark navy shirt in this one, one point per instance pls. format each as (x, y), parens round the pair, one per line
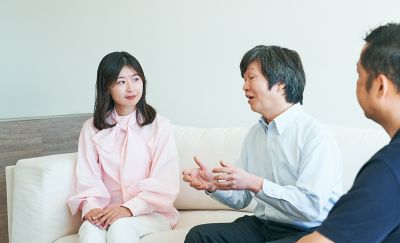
(370, 211)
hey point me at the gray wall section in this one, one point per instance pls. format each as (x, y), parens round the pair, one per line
(27, 138)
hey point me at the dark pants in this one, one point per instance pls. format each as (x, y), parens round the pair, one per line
(247, 229)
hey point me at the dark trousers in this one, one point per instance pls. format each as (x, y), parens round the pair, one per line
(247, 229)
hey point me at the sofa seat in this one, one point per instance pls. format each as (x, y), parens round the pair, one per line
(187, 219)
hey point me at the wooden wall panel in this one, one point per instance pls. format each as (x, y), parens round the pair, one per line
(27, 138)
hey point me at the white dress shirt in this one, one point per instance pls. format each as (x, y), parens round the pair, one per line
(301, 165)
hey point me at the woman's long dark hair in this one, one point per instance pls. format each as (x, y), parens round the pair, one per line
(107, 74)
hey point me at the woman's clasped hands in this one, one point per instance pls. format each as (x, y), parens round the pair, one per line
(103, 218)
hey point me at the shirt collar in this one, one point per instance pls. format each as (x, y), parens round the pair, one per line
(122, 120)
(283, 120)
(265, 126)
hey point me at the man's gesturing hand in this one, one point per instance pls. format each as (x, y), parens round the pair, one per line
(199, 178)
(230, 177)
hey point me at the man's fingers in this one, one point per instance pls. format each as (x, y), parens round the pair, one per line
(224, 177)
(222, 170)
(187, 178)
(224, 185)
(198, 185)
(224, 164)
(186, 172)
(198, 162)
(195, 183)
(225, 168)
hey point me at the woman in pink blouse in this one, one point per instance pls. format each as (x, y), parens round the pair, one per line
(126, 175)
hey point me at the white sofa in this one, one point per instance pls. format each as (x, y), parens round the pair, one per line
(37, 188)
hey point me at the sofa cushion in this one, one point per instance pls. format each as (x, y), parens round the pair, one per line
(187, 219)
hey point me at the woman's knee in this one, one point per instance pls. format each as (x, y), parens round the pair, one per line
(91, 233)
(88, 227)
(121, 229)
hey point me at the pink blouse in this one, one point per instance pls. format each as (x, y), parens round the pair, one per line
(127, 165)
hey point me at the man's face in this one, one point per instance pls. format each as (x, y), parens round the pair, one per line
(363, 95)
(261, 99)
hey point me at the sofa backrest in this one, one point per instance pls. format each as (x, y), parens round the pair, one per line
(357, 146)
(210, 145)
(214, 144)
(40, 186)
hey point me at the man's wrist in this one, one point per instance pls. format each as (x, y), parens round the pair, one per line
(257, 184)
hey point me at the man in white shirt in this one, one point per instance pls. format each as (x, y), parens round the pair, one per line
(290, 164)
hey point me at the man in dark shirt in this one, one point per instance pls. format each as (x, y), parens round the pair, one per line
(370, 211)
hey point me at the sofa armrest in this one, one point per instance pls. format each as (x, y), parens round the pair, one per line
(39, 210)
(9, 188)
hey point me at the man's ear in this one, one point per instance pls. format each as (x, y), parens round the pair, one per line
(382, 85)
(281, 86)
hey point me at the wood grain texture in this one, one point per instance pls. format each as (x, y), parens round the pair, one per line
(28, 138)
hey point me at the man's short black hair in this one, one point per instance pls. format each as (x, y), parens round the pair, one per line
(382, 53)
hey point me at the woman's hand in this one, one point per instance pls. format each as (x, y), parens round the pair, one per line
(111, 214)
(93, 215)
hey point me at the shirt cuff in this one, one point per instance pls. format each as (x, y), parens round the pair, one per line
(270, 189)
(88, 205)
(138, 206)
(210, 193)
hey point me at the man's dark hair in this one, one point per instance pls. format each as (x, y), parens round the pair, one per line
(278, 65)
(382, 54)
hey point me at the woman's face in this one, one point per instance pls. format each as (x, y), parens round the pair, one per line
(126, 91)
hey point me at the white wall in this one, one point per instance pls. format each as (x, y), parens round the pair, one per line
(190, 52)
